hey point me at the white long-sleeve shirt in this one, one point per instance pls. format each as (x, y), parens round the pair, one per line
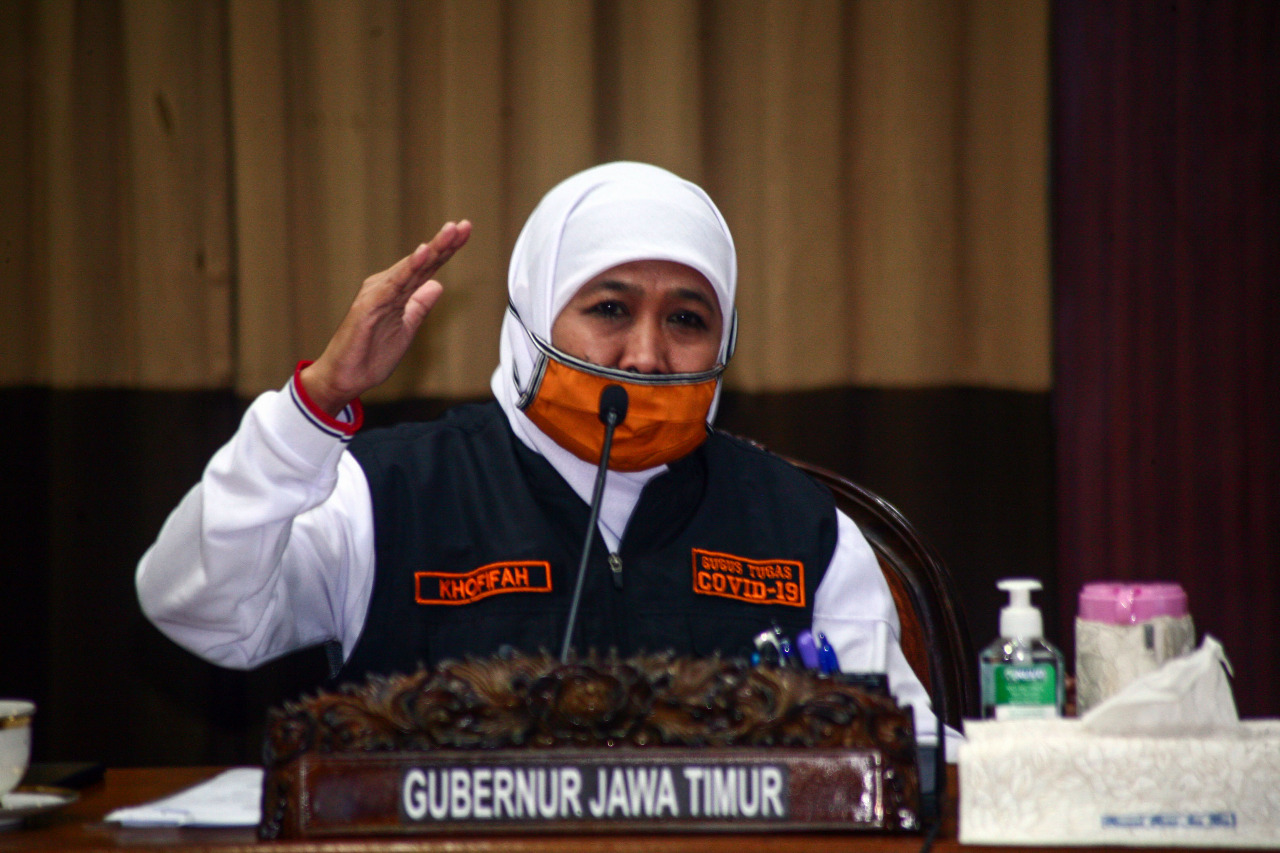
(273, 551)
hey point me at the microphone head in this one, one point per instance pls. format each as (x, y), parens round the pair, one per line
(613, 404)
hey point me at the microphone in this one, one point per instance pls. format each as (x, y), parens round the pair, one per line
(613, 411)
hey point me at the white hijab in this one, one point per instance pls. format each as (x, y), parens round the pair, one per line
(593, 221)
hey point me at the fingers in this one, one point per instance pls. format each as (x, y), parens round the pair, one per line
(451, 237)
(420, 304)
(420, 265)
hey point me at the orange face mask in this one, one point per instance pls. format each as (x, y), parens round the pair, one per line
(666, 414)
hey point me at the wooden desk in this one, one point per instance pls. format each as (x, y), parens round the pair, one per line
(79, 827)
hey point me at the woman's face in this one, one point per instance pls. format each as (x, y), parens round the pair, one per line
(643, 316)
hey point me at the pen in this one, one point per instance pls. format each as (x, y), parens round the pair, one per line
(807, 649)
(827, 660)
(786, 651)
(768, 649)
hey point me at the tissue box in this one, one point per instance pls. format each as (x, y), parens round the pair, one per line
(1052, 782)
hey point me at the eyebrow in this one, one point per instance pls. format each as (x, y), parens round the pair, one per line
(697, 296)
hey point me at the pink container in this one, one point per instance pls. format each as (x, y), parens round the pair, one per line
(1125, 630)
(1130, 603)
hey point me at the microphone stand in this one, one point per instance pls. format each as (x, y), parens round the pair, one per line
(613, 411)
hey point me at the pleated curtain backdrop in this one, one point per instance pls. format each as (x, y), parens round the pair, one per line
(194, 190)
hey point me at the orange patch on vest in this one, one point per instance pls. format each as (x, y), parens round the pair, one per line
(493, 579)
(752, 581)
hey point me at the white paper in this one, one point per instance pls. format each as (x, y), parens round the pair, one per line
(232, 798)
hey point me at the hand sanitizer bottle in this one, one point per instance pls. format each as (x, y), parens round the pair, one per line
(1022, 674)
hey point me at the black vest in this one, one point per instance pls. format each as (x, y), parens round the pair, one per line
(478, 541)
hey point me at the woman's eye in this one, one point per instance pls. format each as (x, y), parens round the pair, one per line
(689, 319)
(608, 308)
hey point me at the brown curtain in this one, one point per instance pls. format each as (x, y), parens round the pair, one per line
(192, 191)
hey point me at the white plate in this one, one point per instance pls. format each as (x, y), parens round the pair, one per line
(28, 801)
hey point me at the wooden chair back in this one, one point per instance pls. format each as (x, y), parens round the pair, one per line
(924, 592)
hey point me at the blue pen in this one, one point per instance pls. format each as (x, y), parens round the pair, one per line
(786, 652)
(827, 660)
(808, 649)
(768, 649)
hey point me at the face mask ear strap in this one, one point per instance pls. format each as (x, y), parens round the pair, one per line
(535, 382)
(733, 337)
(526, 395)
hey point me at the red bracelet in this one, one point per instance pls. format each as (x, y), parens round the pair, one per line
(355, 407)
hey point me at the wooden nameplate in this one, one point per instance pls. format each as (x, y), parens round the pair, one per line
(526, 744)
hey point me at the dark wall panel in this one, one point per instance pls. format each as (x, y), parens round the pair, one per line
(84, 495)
(971, 468)
(97, 472)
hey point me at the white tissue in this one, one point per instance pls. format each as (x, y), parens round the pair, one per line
(1189, 695)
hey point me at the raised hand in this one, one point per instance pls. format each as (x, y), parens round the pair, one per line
(381, 323)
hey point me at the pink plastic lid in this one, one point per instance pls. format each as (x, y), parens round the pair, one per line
(1129, 603)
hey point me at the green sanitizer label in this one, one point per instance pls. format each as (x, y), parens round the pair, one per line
(1025, 692)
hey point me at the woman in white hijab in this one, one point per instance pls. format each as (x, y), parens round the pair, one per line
(279, 545)
(593, 222)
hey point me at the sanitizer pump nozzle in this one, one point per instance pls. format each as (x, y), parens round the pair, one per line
(1019, 618)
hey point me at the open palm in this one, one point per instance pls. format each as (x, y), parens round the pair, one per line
(381, 323)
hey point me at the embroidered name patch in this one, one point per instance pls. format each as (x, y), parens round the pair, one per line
(493, 579)
(753, 581)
